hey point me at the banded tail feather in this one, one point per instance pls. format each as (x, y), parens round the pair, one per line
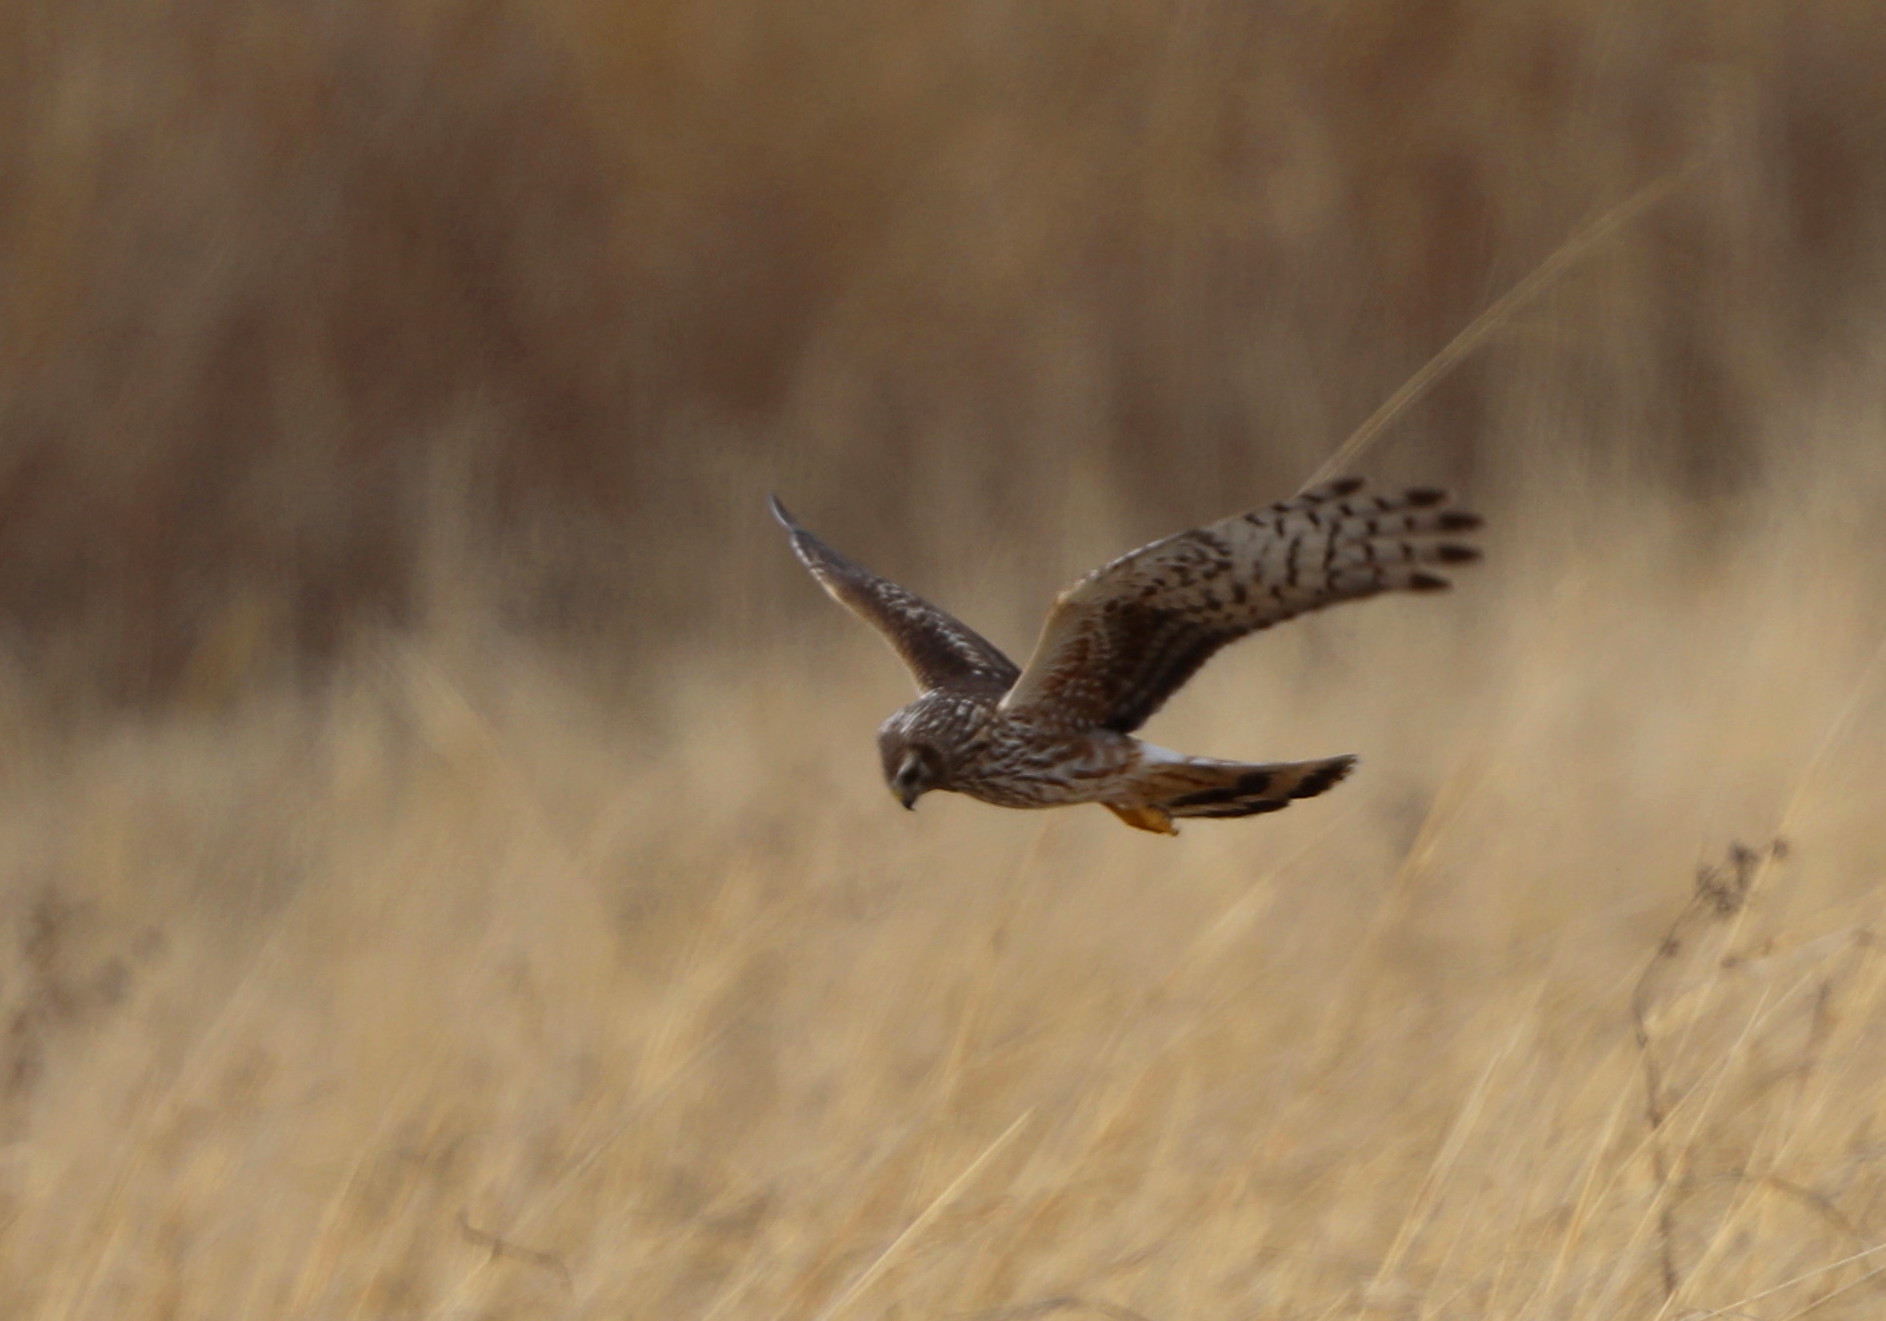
(1166, 791)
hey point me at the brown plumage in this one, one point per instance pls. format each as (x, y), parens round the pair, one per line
(1121, 641)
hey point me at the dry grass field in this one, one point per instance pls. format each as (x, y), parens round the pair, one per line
(453, 990)
(444, 871)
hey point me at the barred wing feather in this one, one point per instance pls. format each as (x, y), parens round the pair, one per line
(939, 649)
(1123, 639)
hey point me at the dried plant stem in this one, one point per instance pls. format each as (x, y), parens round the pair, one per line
(1476, 332)
(502, 1248)
(1720, 893)
(1735, 1308)
(883, 1260)
(1655, 1109)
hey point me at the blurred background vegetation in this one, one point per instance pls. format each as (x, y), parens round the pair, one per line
(302, 299)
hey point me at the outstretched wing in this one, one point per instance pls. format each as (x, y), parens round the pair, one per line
(941, 651)
(1123, 639)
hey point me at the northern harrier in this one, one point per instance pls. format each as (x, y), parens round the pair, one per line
(1121, 641)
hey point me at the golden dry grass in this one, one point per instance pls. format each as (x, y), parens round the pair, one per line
(443, 869)
(455, 990)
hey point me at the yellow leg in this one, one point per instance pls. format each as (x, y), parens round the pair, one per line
(1155, 819)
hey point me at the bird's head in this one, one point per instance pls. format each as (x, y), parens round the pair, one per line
(911, 767)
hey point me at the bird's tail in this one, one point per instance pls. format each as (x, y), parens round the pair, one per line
(1196, 786)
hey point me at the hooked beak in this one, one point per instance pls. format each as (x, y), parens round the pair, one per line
(908, 784)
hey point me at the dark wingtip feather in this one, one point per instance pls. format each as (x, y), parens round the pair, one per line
(1454, 553)
(1321, 781)
(1424, 497)
(1459, 520)
(1207, 797)
(1252, 807)
(1344, 486)
(1428, 582)
(779, 511)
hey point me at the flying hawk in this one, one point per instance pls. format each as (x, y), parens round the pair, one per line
(1121, 641)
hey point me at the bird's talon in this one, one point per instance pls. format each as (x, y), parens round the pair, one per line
(1155, 819)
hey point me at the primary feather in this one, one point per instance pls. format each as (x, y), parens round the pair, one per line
(1123, 639)
(939, 649)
